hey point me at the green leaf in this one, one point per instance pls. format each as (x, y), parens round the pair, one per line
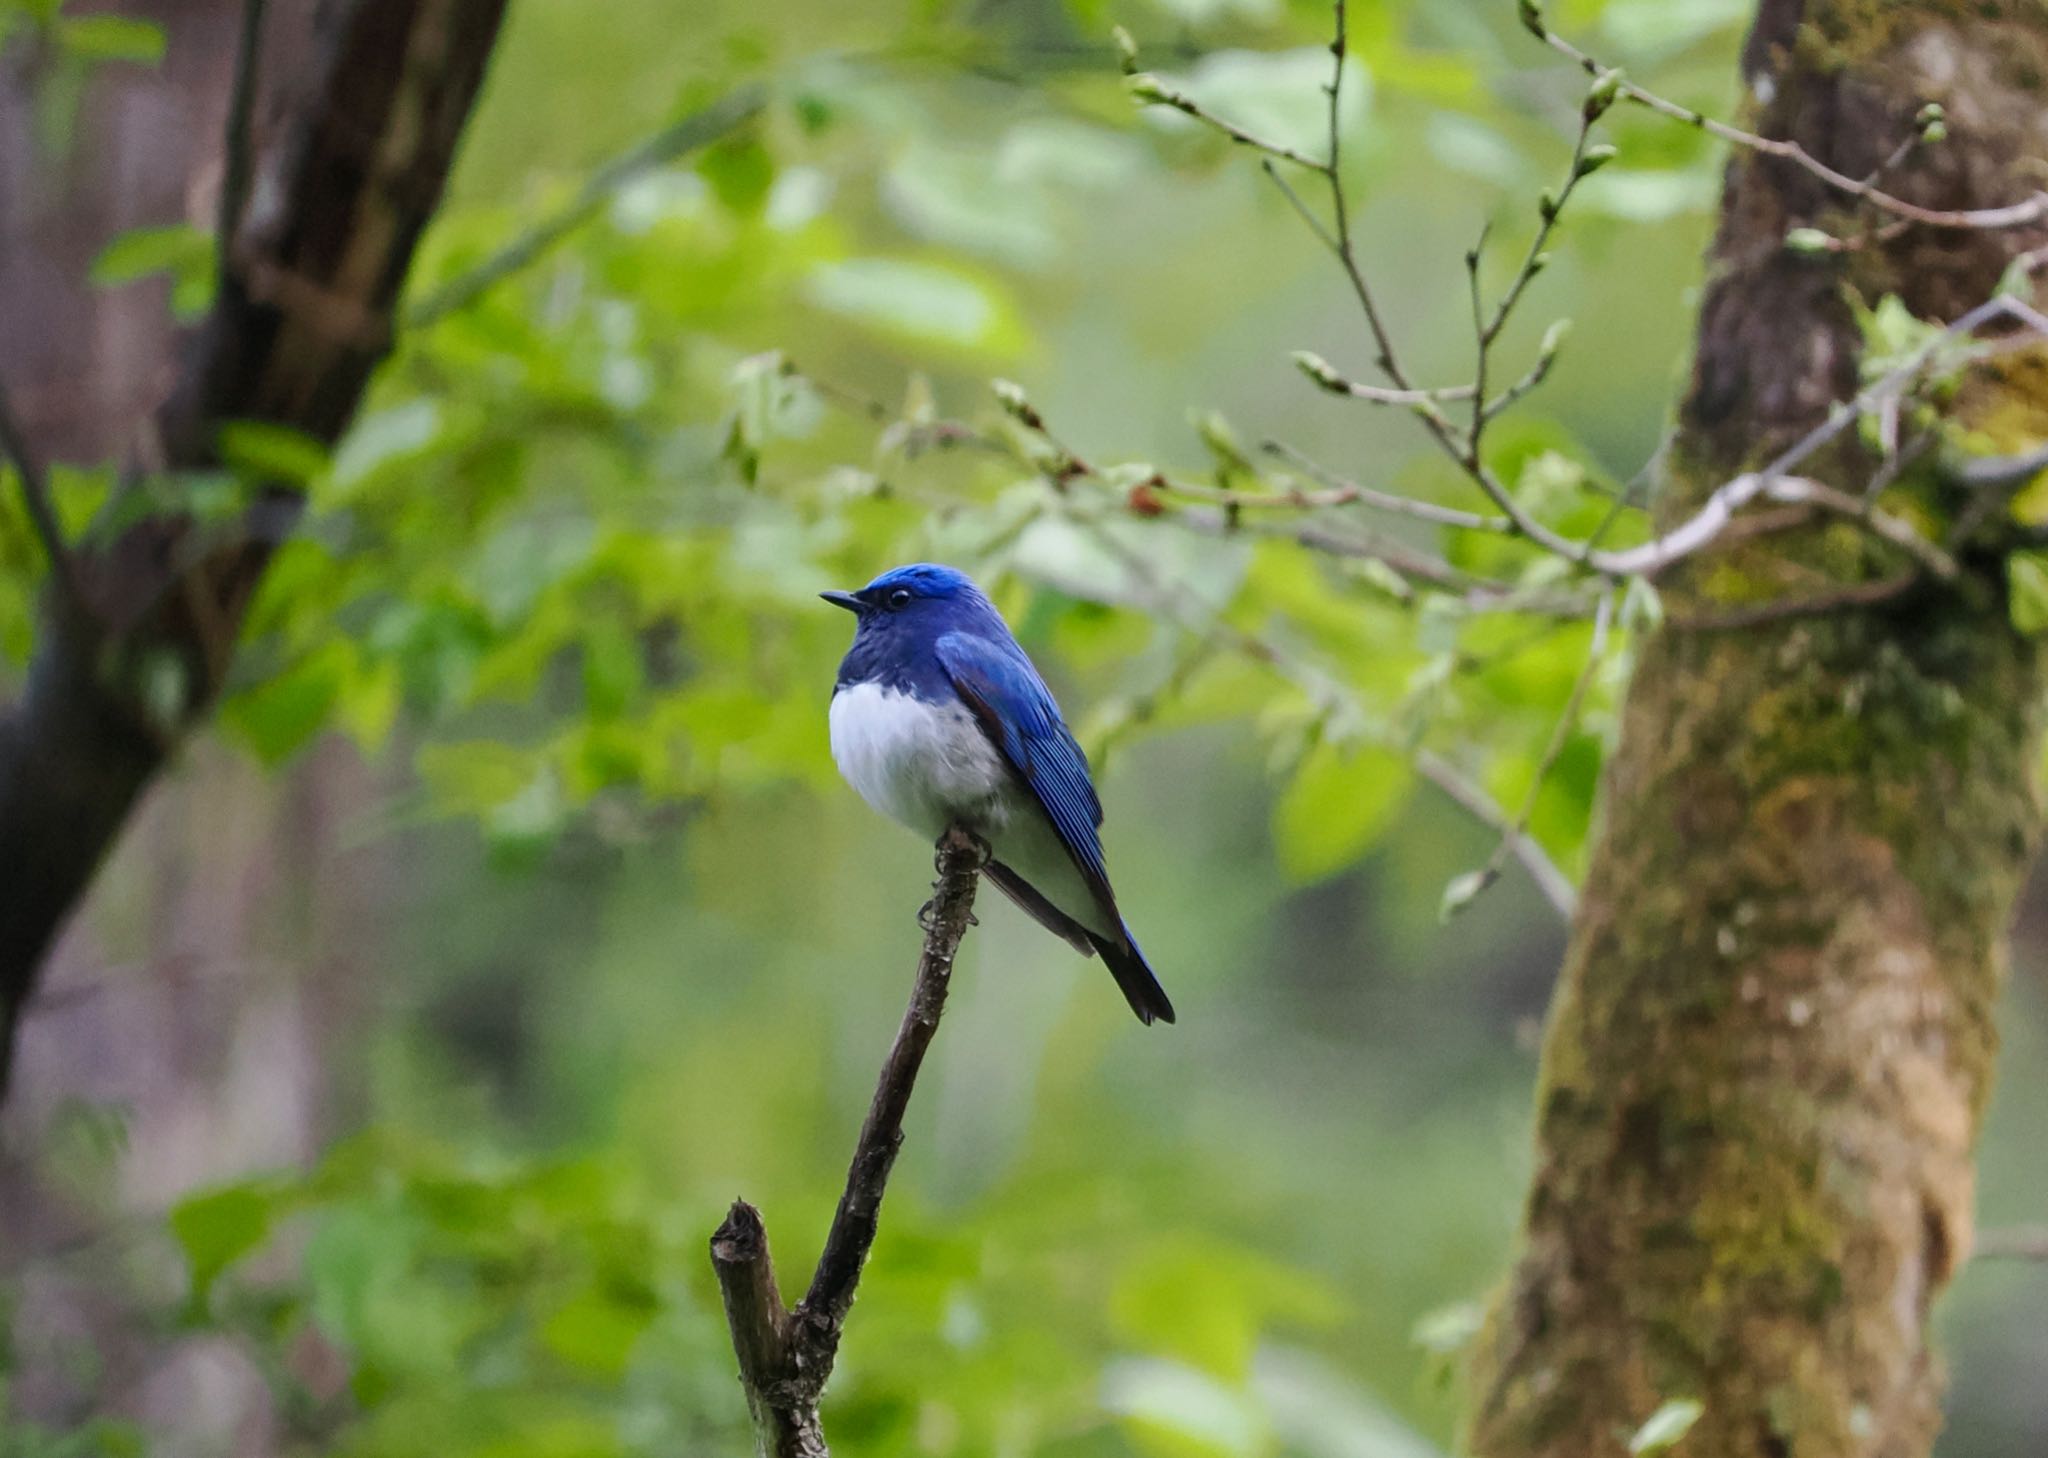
(1892, 334)
(1337, 805)
(1208, 1303)
(277, 716)
(1183, 1411)
(268, 452)
(1649, 195)
(2026, 576)
(218, 1228)
(928, 302)
(1658, 27)
(1466, 145)
(740, 171)
(475, 776)
(613, 673)
(1666, 1426)
(112, 38)
(142, 252)
(596, 1330)
(383, 438)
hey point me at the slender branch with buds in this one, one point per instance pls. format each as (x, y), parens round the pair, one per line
(786, 1356)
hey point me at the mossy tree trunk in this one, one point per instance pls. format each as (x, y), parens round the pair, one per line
(1773, 1038)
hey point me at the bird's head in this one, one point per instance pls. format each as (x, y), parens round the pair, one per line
(921, 596)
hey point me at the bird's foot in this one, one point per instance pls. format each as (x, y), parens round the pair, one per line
(928, 915)
(959, 837)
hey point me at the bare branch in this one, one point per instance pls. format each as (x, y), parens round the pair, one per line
(2028, 210)
(1998, 473)
(1343, 490)
(1153, 91)
(786, 1359)
(1329, 378)
(698, 129)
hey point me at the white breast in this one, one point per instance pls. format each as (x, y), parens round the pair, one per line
(921, 764)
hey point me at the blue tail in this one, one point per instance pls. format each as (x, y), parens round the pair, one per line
(1126, 963)
(1140, 988)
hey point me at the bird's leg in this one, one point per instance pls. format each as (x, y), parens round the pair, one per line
(983, 854)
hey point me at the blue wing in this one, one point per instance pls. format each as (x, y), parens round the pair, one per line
(1016, 710)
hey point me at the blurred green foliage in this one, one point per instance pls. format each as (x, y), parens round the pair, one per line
(563, 572)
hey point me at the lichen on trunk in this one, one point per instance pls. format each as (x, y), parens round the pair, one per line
(1773, 1038)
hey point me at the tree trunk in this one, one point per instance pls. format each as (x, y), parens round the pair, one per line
(133, 659)
(1772, 1043)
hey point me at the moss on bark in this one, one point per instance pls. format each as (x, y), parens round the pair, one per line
(1773, 1037)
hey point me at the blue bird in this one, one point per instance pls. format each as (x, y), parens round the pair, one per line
(939, 718)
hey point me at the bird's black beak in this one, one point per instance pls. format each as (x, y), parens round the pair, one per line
(843, 599)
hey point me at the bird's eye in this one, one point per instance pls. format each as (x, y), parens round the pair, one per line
(900, 598)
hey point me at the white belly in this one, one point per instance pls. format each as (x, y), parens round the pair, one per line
(928, 767)
(918, 763)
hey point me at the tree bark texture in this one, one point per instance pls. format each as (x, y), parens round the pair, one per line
(346, 181)
(1768, 1057)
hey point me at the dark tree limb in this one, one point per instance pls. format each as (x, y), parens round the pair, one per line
(786, 1357)
(303, 313)
(234, 185)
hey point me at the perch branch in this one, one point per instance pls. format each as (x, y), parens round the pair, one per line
(786, 1358)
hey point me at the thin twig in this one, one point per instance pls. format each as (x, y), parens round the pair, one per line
(1555, 885)
(35, 495)
(2016, 1243)
(786, 1358)
(1482, 357)
(2013, 215)
(238, 145)
(1773, 483)
(1342, 489)
(698, 129)
(1998, 473)
(1507, 399)
(1713, 514)
(1336, 383)
(1560, 736)
(1155, 92)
